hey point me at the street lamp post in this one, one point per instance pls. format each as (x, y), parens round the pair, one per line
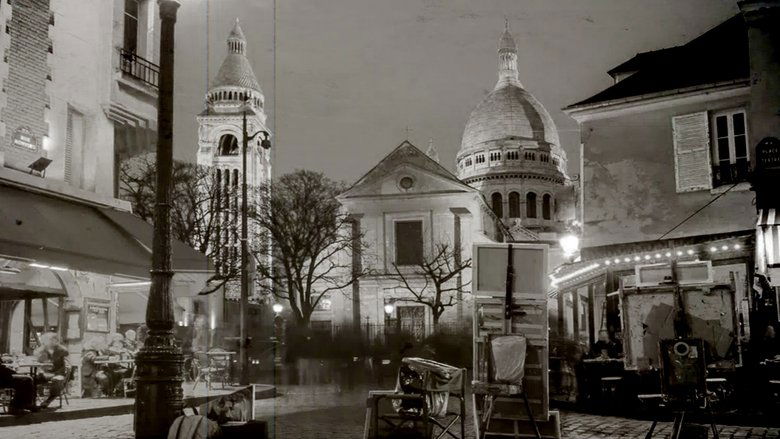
(159, 363)
(243, 356)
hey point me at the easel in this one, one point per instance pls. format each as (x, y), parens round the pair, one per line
(689, 401)
(493, 391)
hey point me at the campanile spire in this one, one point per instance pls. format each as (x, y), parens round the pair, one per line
(507, 58)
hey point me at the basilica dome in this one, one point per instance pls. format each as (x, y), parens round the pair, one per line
(511, 153)
(509, 112)
(510, 131)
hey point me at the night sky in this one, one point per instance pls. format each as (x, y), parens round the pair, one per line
(353, 77)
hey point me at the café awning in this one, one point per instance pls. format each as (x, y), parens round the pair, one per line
(66, 234)
(768, 245)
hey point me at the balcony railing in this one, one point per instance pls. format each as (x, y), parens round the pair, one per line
(730, 173)
(139, 68)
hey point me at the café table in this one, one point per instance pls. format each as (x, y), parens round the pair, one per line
(33, 366)
(127, 363)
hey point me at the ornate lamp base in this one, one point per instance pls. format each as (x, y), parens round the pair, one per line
(160, 374)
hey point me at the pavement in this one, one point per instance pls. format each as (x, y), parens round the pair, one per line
(83, 408)
(328, 411)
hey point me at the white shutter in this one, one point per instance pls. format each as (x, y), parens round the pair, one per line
(693, 168)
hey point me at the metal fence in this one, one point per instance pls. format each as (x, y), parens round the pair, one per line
(139, 68)
(387, 333)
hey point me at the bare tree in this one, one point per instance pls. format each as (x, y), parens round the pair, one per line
(198, 212)
(432, 281)
(307, 245)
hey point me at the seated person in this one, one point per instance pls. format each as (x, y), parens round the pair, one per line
(94, 379)
(131, 345)
(117, 350)
(51, 351)
(24, 388)
(605, 348)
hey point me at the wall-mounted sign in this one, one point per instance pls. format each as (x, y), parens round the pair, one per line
(97, 316)
(25, 139)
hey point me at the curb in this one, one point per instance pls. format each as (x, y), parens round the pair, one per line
(262, 391)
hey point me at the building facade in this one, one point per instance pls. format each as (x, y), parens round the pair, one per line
(666, 158)
(405, 208)
(234, 98)
(510, 184)
(79, 94)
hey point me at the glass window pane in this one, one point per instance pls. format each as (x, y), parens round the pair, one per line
(723, 149)
(530, 205)
(497, 203)
(514, 205)
(740, 147)
(721, 126)
(739, 124)
(546, 206)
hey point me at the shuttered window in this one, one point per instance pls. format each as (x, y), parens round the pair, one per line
(692, 164)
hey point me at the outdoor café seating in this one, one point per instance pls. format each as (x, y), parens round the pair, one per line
(213, 365)
(420, 404)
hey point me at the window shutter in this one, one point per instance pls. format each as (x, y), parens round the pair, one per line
(693, 169)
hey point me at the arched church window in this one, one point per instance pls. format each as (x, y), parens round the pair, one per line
(497, 203)
(530, 205)
(514, 205)
(546, 206)
(228, 145)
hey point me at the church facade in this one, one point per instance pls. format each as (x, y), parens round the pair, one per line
(510, 184)
(234, 102)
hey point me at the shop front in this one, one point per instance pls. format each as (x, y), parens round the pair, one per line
(586, 314)
(80, 271)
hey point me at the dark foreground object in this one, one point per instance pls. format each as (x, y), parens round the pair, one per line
(251, 429)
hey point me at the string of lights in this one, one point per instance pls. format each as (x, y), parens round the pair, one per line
(693, 251)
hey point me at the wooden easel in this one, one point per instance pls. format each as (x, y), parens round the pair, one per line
(491, 392)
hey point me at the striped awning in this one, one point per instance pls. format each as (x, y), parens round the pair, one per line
(768, 245)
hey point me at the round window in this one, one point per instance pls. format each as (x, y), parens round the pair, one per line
(406, 183)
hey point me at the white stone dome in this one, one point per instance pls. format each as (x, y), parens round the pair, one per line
(509, 112)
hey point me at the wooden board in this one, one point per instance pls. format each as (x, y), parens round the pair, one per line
(503, 426)
(648, 317)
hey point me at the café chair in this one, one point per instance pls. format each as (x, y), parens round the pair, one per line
(128, 384)
(45, 388)
(6, 396)
(216, 369)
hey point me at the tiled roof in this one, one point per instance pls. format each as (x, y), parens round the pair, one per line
(718, 55)
(236, 71)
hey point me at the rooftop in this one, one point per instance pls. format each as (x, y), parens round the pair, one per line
(718, 55)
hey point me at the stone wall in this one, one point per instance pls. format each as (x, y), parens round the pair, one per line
(26, 103)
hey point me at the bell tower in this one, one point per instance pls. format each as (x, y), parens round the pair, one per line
(233, 96)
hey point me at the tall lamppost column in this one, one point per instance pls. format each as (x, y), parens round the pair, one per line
(246, 277)
(243, 356)
(159, 363)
